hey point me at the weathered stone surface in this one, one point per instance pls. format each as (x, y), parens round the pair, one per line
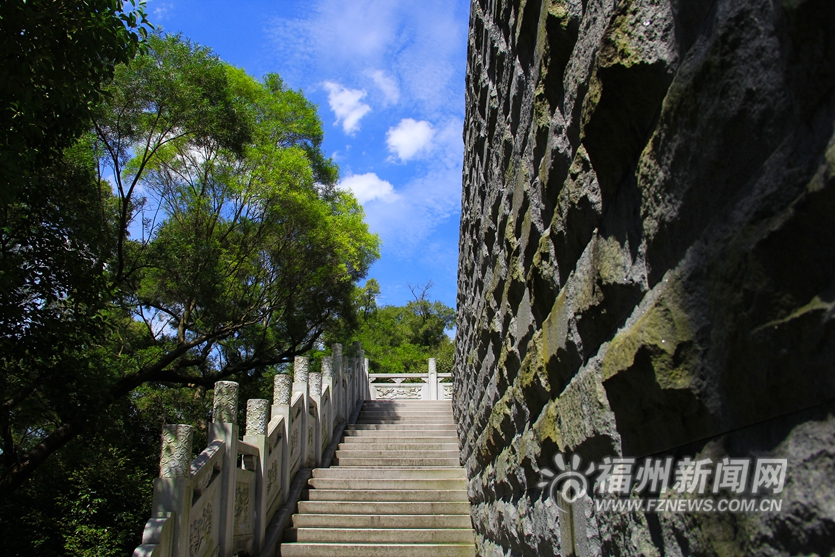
(225, 404)
(647, 261)
(257, 416)
(300, 369)
(175, 456)
(282, 388)
(315, 382)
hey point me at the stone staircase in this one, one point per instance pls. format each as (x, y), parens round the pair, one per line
(398, 489)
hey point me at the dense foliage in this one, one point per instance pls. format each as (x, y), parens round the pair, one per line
(194, 233)
(401, 339)
(55, 56)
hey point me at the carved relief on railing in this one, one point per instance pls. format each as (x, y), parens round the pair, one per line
(221, 503)
(174, 461)
(447, 391)
(225, 407)
(315, 382)
(244, 512)
(257, 416)
(312, 419)
(243, 520)
(327, 367)
(300, 369)
(204, 522)
(282, 389)
(404, 391)
(326, 421)
(296, 432)
(272, 464)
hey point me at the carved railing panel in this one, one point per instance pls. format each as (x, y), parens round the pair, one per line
(220, 504)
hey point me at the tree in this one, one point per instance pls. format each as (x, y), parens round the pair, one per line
(231, 249)
(400, 339)
(55, 57)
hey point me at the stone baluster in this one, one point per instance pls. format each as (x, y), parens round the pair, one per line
(433, 379)
(366, 366)
(173, 490)
(315, 383)
(282, 396)
(301, 376)
(339, 391)
(257, 420)
(329, 383)
(362, 380)
(348, 370)
(356, 368)
(224, 427)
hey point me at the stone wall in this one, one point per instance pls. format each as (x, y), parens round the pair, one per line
(647, 263)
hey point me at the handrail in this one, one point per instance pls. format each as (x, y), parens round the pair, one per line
(391, 385)
(216, 506)
(227, 500)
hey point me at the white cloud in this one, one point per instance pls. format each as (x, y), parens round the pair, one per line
(159, 10)
(368, 187)
(346, 104)
(387, 85)
(410, 138)
(414, 213)
(422, 46)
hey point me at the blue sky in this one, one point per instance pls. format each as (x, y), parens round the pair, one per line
(388, 78)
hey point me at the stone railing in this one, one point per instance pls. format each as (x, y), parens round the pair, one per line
(393, 386)
(226, 501)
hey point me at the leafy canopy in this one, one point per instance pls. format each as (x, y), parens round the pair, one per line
(400, 339)
(210, 242)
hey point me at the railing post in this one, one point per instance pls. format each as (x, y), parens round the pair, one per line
(282, 392)
(257, 418)
(300, 385)
(339, 391)
(367, 378)
(358, 361)
(315, 383)
(172, 490)
(328, 383)
(433, 380)
(363, 383)
(348, 375)
(224, 427)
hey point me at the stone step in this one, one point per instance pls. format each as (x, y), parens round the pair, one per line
(404, 445)
(410, 403)
(384, 507)
(396, 484)
(447, 409)
(381, 521)
(363, 436)
(387, 473)
(380, 535)
(382, 461)
(392, 495)
(408, 434)
(444, 411)
(376, 550)
(405, 421)
(398, 489)
(401, 426)
(406, 417)
(363, 452)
